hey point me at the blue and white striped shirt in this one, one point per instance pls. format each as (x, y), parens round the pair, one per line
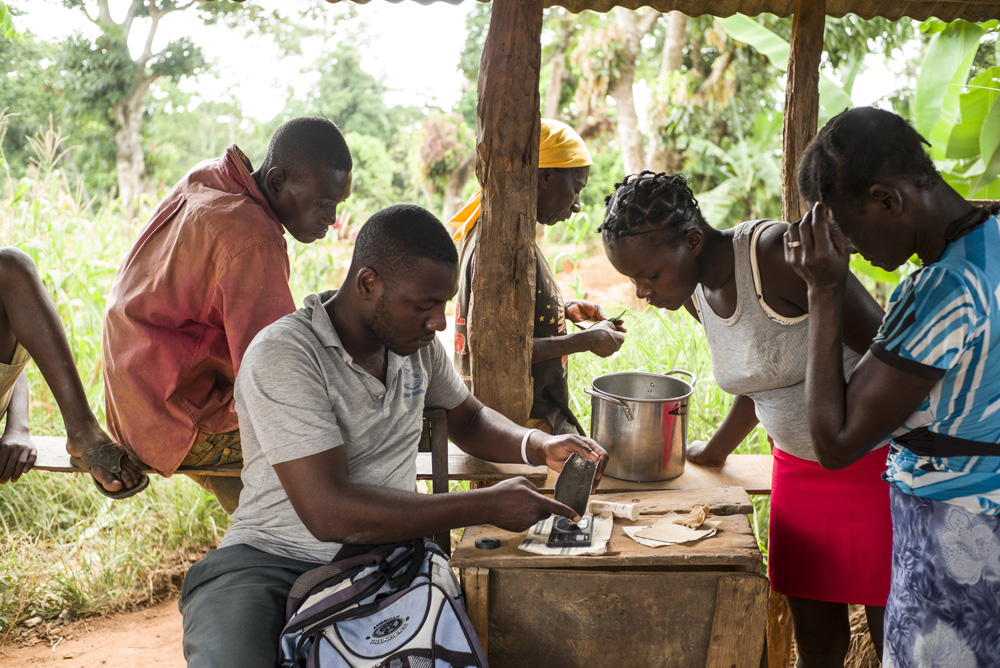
(942, 322)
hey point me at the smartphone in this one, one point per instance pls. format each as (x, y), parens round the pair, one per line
(575, 482)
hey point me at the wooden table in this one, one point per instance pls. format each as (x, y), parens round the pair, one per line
(697, 604)
(751, 472)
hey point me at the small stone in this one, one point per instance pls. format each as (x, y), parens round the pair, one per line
(34, 621)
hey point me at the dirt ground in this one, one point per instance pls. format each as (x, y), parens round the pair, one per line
(601, 283)
(147, 638)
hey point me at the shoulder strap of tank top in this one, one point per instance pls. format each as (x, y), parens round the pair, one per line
(696, 298)
(759, 227)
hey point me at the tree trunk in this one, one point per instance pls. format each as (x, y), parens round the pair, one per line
(130, 158)
(629, 135)
(659, 156)
(633, 27)
(557, 75)
(503, 287)
(552, 93)
(673, 45)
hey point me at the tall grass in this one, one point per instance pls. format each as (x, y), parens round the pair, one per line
(63, 546)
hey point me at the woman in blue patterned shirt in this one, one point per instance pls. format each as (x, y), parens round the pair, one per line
(928, 380)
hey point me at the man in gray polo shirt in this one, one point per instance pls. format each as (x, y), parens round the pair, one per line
(330, 401)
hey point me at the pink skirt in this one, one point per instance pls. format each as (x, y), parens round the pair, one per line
(830, 532)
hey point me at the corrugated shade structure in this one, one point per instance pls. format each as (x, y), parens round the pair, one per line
(982, 10)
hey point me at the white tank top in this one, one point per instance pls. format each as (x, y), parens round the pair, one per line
(760, 353)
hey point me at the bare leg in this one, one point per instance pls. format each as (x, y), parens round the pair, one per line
(875, 616)
(28, 315)
(822, 632)
(17, 453)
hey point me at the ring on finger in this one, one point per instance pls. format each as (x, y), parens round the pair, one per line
(794, 244)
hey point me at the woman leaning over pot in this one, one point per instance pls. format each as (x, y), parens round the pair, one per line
(830, 535)
(931, 378)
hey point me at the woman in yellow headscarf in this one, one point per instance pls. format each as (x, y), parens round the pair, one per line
(563, 170)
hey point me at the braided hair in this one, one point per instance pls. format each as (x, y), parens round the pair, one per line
(650, 202)
(857, 147)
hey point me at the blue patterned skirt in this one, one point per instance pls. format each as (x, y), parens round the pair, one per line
(944, 602)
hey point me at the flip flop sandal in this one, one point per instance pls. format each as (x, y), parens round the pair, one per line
(108, 456)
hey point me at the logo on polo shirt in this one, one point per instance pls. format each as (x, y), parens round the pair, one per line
(413, 380)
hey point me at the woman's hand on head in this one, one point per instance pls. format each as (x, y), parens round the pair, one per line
(818, 251)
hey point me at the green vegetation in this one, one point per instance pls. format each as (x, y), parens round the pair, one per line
(74, 111)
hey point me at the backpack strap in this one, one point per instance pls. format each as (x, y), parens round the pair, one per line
(416, 558)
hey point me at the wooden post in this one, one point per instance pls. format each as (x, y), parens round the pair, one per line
(779, 631)
(503, 286)
(801, 99)
(476, 583)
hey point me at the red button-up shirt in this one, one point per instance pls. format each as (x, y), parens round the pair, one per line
(207, 273)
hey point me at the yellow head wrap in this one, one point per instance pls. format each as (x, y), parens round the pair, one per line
(560, 147)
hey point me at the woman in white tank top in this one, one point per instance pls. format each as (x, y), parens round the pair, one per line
(830, 539)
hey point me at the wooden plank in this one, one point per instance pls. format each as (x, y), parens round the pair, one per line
(801, 99)
(503, 286)
(720, 500)
(751, 472)
(733, 547)
(574, 619)
(52, 456)
(779, 631)
(436, 422)
(462, 466)
(476, 585)
(740, 622)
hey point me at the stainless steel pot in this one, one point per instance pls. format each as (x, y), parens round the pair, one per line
(641, 420)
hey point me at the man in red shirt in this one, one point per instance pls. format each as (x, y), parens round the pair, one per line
(208, 272)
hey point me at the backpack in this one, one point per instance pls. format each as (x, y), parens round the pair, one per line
(397, 606)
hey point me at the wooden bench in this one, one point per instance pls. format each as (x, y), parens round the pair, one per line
(436, 454)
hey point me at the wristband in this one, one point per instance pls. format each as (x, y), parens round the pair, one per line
(524, 445)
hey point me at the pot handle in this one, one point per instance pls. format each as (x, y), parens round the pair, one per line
(683, 372)
(614, 400)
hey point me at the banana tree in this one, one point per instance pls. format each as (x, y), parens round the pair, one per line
(958, 115)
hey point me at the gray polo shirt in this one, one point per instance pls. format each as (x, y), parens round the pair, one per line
(299, 393)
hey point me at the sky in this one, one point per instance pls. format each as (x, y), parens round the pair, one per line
(413, 49)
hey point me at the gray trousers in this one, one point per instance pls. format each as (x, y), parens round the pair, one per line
(233, 604)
